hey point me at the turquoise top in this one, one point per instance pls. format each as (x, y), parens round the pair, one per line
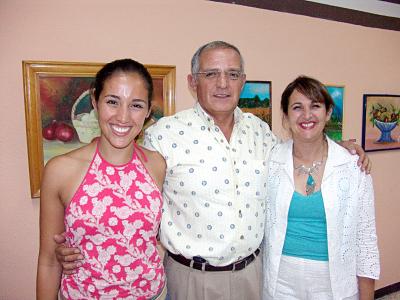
(306, 235)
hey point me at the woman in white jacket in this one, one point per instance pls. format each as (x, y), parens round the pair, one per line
(320, 237)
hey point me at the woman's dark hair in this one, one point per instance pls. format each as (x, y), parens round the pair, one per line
(309, 87)
(126, 65)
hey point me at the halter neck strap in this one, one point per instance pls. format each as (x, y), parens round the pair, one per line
(140, 151)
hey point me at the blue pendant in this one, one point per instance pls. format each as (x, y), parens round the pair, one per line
(310, 186)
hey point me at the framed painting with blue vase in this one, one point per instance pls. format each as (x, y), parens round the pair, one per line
(381, 120)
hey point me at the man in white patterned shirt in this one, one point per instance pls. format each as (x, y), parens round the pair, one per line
(215, 185)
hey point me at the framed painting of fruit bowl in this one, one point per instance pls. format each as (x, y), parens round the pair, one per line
(381, 122)
(58, 112)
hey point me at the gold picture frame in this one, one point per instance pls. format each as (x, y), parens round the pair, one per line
(53, 89)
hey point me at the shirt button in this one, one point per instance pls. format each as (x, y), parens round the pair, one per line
(242, 237)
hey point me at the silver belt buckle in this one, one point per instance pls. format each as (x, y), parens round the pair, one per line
(199, 260)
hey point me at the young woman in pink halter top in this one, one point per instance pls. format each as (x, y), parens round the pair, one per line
(106, 196)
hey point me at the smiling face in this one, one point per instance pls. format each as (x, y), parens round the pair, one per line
(122, 108)
(306, 118)
(218, 95)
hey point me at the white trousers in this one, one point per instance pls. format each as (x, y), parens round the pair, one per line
(304, 279)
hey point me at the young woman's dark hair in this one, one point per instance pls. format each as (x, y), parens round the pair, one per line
(126, 65)
(309, 87)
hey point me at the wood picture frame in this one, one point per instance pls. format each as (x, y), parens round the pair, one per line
(52, 91)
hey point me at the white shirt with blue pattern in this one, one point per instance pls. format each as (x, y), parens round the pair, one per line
(214, 190)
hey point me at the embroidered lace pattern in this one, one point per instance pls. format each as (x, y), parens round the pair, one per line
(113, 219)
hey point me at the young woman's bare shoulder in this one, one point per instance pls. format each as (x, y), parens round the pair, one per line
(71, 163)
(64, 173)
(155, 164)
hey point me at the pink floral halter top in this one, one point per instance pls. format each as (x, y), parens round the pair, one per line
(113, 219)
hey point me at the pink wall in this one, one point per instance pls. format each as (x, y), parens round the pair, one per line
(276, 47)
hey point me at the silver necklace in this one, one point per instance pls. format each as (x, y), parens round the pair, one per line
(310, 171)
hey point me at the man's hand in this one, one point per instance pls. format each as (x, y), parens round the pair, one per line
(69, 258)
(363, 159)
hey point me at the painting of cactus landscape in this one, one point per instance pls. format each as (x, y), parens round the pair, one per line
(256, 98)
(381, 120)
(335, 125)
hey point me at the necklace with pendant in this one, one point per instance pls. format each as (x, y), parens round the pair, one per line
(310, 171)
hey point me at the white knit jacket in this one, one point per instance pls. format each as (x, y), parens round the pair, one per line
(350, 215)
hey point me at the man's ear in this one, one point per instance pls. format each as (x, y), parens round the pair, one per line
(243, 81)
(192, 82)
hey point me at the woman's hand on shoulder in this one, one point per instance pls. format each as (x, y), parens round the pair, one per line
(363, 162)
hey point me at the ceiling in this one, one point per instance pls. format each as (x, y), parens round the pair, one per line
(384, 8)
(369, 13)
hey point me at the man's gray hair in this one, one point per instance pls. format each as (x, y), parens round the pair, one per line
(213, 45)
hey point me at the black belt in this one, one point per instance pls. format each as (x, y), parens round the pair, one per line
(204, 266)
